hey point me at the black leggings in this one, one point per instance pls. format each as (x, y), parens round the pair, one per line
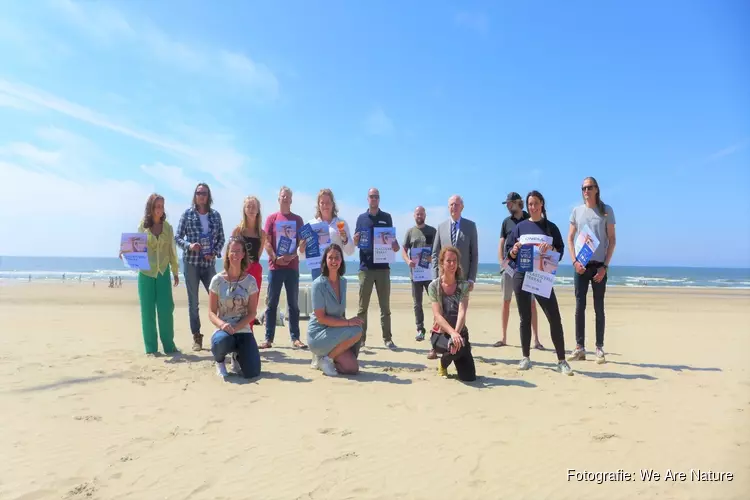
(551, 310)
(463, 360)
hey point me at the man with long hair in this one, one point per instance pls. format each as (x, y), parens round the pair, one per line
(598, 218)
(200, 235)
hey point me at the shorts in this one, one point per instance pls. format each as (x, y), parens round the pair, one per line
(507, 286)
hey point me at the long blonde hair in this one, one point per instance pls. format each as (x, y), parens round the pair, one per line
(334, 209)
(258, 219)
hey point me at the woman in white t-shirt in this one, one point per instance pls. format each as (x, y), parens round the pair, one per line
(233, 303)
(326, 211)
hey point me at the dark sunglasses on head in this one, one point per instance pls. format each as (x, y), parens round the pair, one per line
(587, 188)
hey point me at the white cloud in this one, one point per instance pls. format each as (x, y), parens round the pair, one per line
(378, 123)
(30, 154)
(68, 207)
(734, 148)
(475, 21)
(110, 27)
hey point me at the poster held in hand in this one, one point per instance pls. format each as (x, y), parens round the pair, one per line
(383, 245)
(586, 245)
(364, 238)
(316, 242)
(421, 258)
(286, 237)
(134, 250)
(205, 241)
(538, 283)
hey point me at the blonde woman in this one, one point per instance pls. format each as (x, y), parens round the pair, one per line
(326, 211)
(250, 231)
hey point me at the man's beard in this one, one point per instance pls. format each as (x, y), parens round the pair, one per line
(420, 222)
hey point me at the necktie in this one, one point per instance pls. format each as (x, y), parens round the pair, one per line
(453, 234)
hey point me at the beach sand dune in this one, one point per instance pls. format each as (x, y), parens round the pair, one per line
(86, 415)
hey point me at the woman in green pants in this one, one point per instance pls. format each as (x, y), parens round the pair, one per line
(154, 290)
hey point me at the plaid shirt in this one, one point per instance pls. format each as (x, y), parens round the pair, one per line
(189, 231)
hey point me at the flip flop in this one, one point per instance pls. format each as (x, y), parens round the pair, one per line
(299, 345)
(499, 343)
(539, 346)
(265, 345)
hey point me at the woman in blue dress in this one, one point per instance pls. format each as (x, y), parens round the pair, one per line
(331, 337)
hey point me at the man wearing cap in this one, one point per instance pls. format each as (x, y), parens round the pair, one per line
(514, 204)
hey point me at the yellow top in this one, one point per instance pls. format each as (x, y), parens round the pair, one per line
(161, 251)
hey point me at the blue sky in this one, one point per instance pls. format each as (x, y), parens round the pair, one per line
(103, 102)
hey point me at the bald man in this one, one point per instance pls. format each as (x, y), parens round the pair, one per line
(419, 236)
(461, 233)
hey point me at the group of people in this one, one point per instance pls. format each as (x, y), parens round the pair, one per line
(334, 340)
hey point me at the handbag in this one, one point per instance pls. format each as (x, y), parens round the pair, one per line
(441, 342)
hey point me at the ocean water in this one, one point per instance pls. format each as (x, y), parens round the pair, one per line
(100, 269)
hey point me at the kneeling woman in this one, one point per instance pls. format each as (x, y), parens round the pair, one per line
(450, 301)
(331, 337)
(233, 303)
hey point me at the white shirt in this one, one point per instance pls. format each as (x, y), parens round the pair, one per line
(204, 222)
(336, 236)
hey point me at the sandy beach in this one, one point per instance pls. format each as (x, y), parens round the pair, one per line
(87, 415)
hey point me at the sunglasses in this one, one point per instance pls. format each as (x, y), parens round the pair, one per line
(587, 188)
(201, 193)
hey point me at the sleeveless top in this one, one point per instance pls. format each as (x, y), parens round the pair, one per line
(252, 248)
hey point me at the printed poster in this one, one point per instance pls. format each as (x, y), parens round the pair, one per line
(286, 237)
(525, 257)
(383, 245)
(421, 256)
(134, 250)
(317, 241)
(508, 269)
(206, 242)
(586, 245)
(364, 239)
(538, 283)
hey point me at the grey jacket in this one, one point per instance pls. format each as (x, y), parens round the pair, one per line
(466, 242)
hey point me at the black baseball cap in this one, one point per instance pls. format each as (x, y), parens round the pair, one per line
(513, 196)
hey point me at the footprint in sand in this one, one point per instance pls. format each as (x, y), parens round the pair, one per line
(88, 418)
(334, 432)
(83, 490)
(603, 436)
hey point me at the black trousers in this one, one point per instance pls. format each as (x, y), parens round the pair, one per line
(551, 311)
(463, 360)
(417, 292)
(581, 284)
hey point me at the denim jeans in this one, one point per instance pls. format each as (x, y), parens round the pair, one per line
(194, 276)
(289, 280)
(223, 344)
(581, 284)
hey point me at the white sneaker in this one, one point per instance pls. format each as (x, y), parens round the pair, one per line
(235, 364)
(326, 365)
(525, 364)
(221, 369)
(315, 363)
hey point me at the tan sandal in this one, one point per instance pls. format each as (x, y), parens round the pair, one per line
(265, 345)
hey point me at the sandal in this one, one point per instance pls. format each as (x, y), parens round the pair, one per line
(499, 343)
(265, 345)
(298, 344)
(539, 346)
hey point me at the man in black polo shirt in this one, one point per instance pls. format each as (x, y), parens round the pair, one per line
(514, 204)
(374, 274)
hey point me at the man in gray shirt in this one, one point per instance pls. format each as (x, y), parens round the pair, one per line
(419, 236)
(599, 219)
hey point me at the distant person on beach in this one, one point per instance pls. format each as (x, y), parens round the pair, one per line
(537, 224)
(338, 230)
(421, 235)
(514, 204)
(250, 230)
(372, 273)
(283, 272)
(331, 336)
(232, 305)
(450, 302)
(199, 223)
(461, 233)
(154, 290)
(600, 219)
